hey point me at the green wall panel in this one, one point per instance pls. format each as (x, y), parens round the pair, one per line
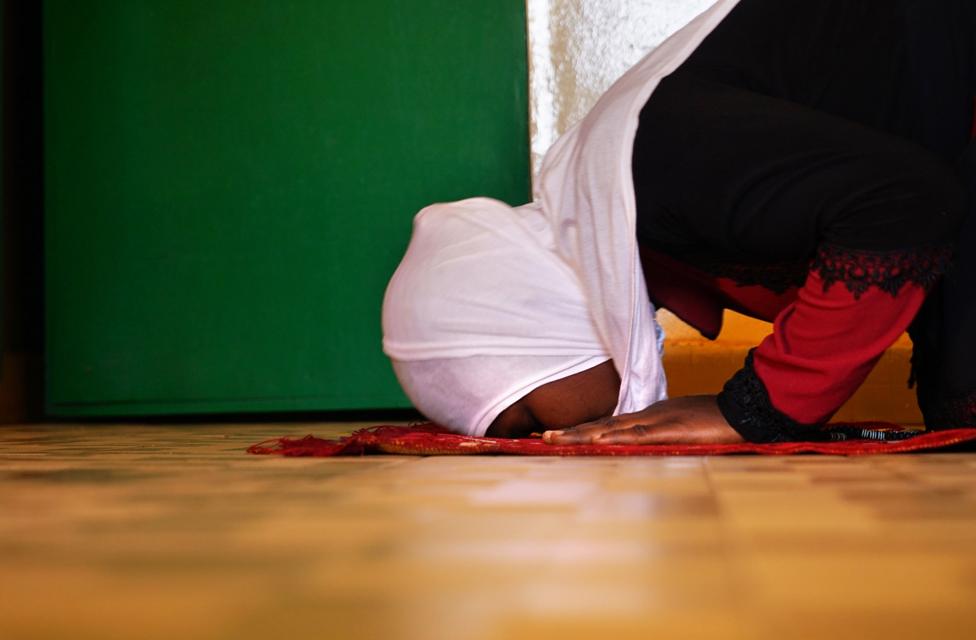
(229, 185)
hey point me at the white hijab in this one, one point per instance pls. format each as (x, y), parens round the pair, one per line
(491, 302)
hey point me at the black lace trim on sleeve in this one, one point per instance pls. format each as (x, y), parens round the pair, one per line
(746, 406)
(890, 271)
(858, 269)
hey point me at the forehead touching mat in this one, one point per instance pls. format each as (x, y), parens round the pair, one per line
(849, 439)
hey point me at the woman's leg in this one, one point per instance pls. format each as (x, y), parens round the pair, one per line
(944, 333)
(725, 175)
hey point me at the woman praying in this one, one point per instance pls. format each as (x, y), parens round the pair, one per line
(805, 163)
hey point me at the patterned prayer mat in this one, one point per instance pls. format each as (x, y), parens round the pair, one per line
(854, 439)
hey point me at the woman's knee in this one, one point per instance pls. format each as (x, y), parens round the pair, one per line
(907, 198)
(949, 195)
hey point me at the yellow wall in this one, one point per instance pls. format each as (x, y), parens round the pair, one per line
(696, 365)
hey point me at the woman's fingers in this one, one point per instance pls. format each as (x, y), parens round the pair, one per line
(662, 433)
(620, 432)
(590, 431)
(581, 433)
(635, 434)
(690, 420)
(667, 432)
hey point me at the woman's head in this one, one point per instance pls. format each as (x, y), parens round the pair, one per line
(482, 312)
(560, 404)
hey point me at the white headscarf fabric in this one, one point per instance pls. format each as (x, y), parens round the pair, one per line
(491, 302)
(482, 310)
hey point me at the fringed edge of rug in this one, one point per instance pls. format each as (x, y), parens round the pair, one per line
(431, 440)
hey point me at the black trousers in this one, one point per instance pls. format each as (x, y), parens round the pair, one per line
(764, 147)
(944, 333)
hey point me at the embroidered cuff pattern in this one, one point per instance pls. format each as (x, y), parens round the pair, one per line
(746, 406)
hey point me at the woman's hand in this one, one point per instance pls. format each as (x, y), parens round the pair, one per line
(686, 420)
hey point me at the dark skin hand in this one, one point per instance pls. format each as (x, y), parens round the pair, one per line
(685, 420)
(577, 409)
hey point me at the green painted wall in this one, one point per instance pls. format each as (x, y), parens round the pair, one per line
(3, 212)
(230, 184)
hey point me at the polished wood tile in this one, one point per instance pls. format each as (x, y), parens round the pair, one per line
(124, 531)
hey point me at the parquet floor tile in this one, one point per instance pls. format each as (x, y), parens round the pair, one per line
(158, 531)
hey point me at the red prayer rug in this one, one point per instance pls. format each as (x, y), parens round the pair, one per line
(852, 439)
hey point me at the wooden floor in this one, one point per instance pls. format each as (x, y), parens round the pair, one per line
(119, 531)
